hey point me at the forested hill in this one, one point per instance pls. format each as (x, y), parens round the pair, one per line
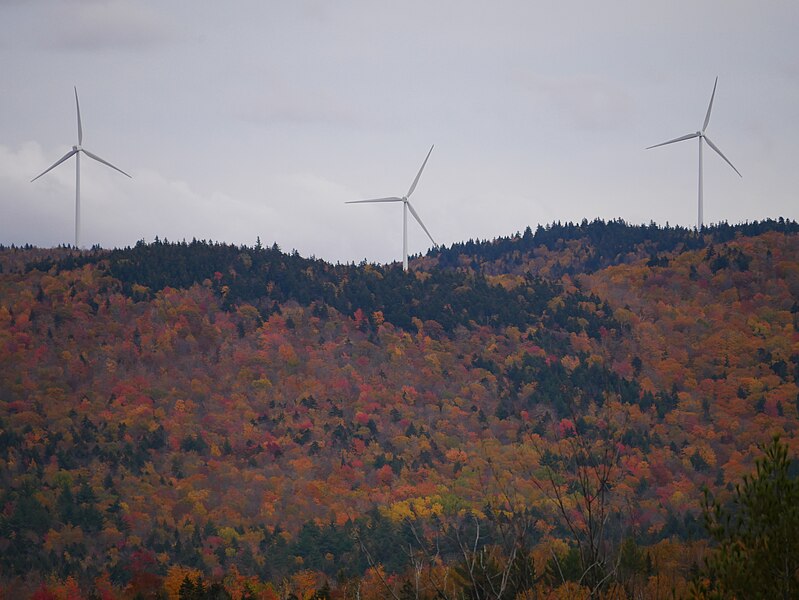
(589, 246)
(266, 278)
(543, 411)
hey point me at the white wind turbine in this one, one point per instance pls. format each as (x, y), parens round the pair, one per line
(406, 206)
(702, 136)
(76, 150)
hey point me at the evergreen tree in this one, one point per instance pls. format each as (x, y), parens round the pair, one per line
(758, 547)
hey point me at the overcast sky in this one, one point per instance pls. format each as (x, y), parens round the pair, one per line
(248, 119)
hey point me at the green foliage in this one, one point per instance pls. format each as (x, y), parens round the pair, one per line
(758, 547)
(197, 590)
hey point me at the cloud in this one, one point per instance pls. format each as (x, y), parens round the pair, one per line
(588, 102)
(297, 107)
(96, 25)
(302, 209)
(116, 211)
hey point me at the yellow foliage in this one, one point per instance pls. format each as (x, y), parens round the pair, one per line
(305, 583)
(543, 551)
(415, 508)
(570, 363)
(228, 534)
(198, 495)
(615, 592)
(707, 453)
(248, 311)
(758, 327)
(556, 304)
(595, 360)
(513, 334)
(580, 342)
(373, 585)
(433, 360)
(570, 591)
(174, 578)
(455, 455)
(139, 289)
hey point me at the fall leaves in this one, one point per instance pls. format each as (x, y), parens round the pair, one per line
(181, 424)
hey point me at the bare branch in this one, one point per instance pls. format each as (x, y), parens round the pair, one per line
(373, 565)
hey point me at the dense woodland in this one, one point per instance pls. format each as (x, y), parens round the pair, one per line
(565, 413)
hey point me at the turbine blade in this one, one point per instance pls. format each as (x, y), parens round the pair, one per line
(80, 126)
(56, 163)
(419, 174)
(392, 199)
(710, 106)
(105, 162)
(719, 152)
(416, 216)
(679, 139)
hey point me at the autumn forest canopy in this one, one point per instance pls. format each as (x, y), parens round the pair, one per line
(568, 412)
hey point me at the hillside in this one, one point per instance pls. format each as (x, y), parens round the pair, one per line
(555, 400)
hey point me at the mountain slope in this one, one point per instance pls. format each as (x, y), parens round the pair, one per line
(212, 406)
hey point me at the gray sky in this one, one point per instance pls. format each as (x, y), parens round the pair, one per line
(261, 118)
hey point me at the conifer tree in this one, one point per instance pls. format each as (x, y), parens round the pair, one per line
(758, 547)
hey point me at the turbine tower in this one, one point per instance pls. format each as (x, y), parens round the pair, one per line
(702, 136)
(76, 150)
(406, 206)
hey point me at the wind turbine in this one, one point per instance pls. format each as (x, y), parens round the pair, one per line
(406, 206)
(702, 136)
(76, 150)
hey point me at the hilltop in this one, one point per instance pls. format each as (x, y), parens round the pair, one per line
(178, 409)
